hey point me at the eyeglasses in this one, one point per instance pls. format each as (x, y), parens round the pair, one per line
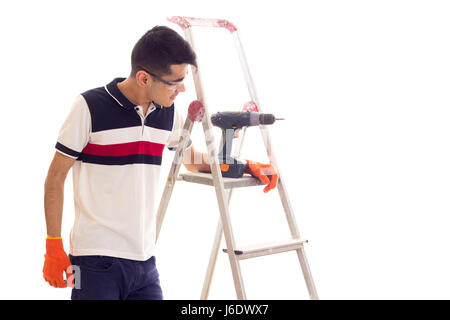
(171, 85)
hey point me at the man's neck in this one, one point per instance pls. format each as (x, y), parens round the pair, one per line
(130, 90)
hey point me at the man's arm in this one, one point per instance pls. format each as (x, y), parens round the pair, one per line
(195, 161)
(54, 193)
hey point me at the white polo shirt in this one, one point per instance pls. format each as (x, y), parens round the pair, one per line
(115, 178)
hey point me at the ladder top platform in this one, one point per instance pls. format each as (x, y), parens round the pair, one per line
(206, 178)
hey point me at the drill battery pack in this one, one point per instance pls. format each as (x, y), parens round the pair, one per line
(232, 168)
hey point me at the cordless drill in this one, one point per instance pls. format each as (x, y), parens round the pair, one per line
(230, 122)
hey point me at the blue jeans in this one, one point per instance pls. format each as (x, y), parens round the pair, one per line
(110, 278)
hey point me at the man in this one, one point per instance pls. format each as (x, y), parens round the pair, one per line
(113, 139)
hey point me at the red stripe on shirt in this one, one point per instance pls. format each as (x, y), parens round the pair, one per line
(125, 149)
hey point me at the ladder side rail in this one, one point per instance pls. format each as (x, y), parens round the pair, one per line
(217, 177)
(266, 137)
(214, 250)
(293, 227)
(245, 68)
(307, 275)
(219, 230)
(223, 206)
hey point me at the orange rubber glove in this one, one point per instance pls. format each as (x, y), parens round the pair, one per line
(56, 263)
(266, 173)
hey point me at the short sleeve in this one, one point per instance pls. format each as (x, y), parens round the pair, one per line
(177, 131)
(74, 133)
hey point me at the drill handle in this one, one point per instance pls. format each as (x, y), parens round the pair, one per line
(227, 144)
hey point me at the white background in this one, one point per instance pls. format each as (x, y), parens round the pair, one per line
(364, 88)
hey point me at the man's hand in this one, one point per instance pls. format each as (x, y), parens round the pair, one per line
(196, 161)
(56, 263)
(266, 173)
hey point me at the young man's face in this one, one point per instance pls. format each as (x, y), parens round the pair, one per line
(165, 90)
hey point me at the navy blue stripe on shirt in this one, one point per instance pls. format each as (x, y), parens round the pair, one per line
(66, 150)
(120, 161)
(107, 113)
(161, 118)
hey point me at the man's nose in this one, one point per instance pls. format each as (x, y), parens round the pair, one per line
(181, 88)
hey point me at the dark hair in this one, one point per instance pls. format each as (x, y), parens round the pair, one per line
(159, 48)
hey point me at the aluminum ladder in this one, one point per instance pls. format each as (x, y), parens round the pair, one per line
(198, 111)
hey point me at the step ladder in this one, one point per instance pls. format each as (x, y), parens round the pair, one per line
(198, 111)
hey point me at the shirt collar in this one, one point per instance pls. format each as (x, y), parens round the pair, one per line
(117, 95)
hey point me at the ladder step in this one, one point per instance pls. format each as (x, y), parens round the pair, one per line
(268, 248)
(207, 179)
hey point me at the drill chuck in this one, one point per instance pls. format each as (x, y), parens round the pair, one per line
(266, 118)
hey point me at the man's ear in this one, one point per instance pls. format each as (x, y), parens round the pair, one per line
(143, 79)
